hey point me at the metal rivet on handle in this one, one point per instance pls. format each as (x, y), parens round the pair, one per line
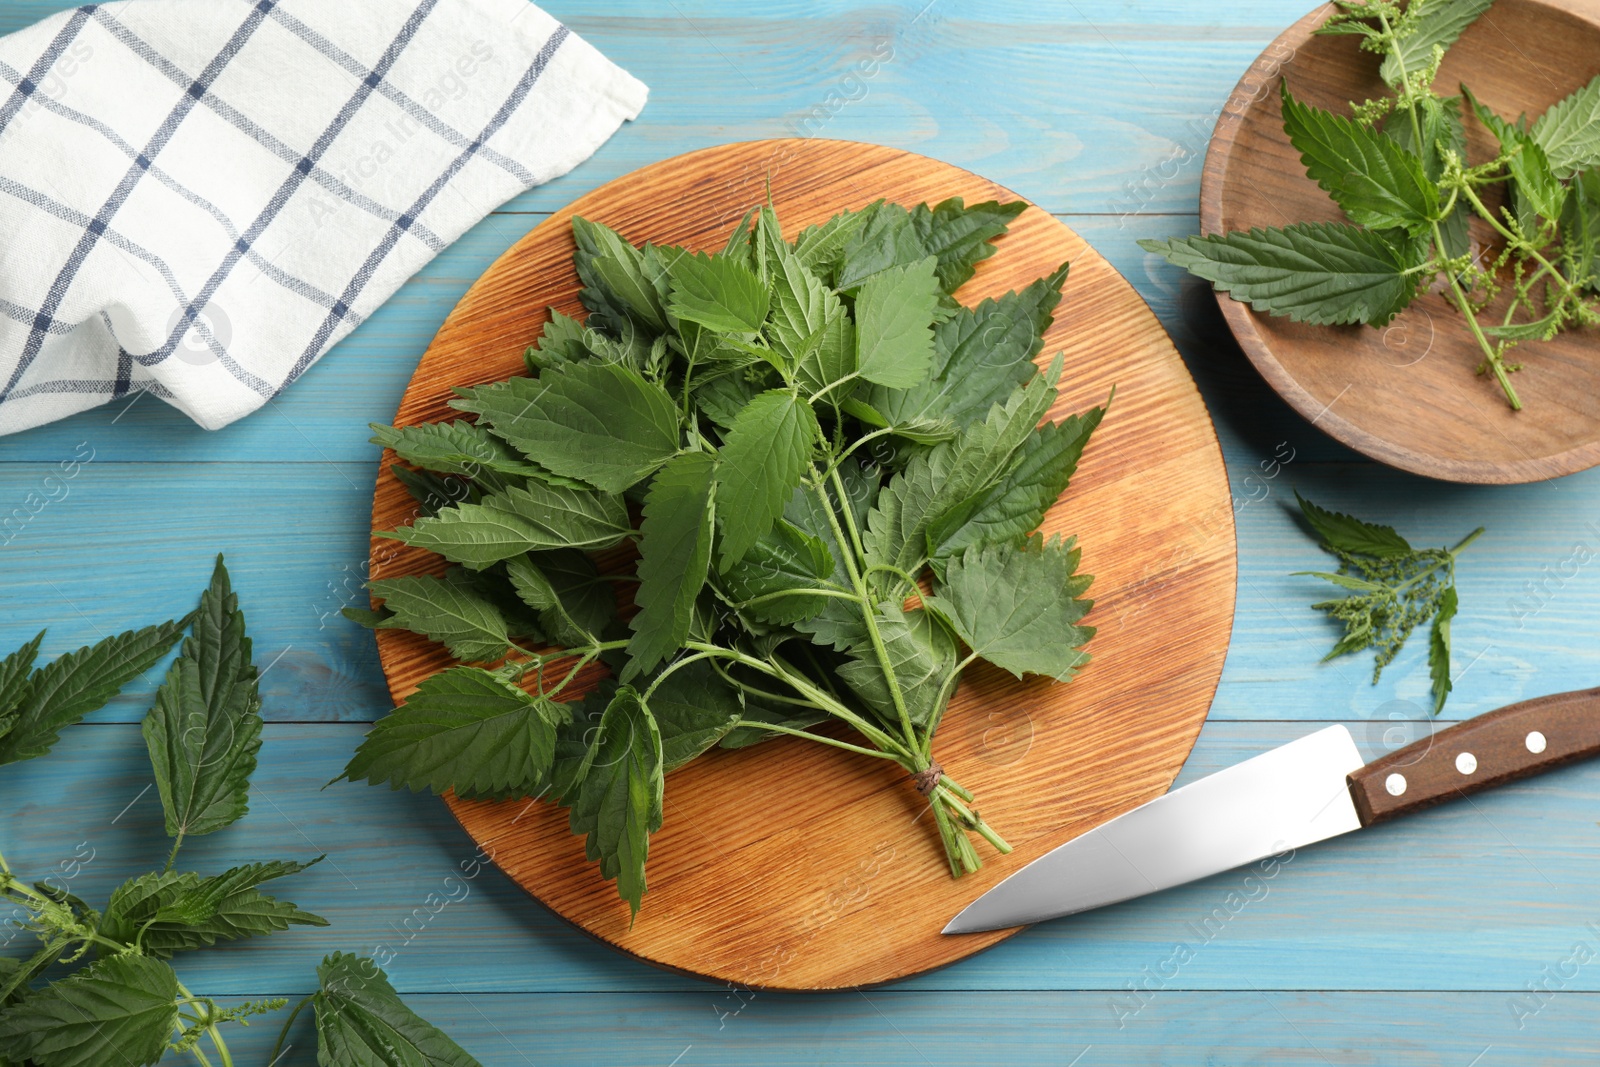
(1535, 742)
(1395, 784)
(1466, 763)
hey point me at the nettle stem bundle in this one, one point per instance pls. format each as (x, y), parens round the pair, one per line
(837, 471)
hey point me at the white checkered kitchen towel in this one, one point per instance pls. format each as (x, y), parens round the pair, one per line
(199, 197)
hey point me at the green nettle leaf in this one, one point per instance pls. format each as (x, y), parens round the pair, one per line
(121, 1010)
(1442, 131)
(167, 913)
(821, 248)
(1020, 607)
(204, 730)
(540, 593)
(1569, 132)
(763, 459)
(622, 280)
(942, 481)
(521, 519)
(803, 308)
(465, 729)
(14, 672)
(1538, 330)
(922, 655)
(888, 236)
(570, 518)
(894, 338)
(1580, 231)
(675, 556)
(1014, 506)
(457, 447)
(628, 283)
(981, 355)
(563, 340)
(694, 709)
(885, 239)
(829, 357)
(450, 612)
(1439, 649)
(1378, 184)
(586, 599)
(1322, 273)
(960, 236)
(917, 430)
(776, 580)
(474, 535)
(64, 691)
(432, 491)
(719, 293)
(1436, 23)
(1345, 581)
(1348, 534)
(722, 398)
(619, 802)
(1536, 192)
(600, 423)
(362, 1022)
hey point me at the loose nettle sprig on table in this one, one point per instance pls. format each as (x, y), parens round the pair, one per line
(123, 1003)
(1392, 589)
(1400, 171)
(733, 397)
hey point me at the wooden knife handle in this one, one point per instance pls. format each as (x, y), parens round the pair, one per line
(1487, 751)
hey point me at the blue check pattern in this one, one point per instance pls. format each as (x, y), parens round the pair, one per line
(199, 200)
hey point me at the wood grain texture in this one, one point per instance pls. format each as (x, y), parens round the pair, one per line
(1175, 1029)
(1407, 394)
(1368, 911)
(133, 542)
(1486, 752)
(795, 884)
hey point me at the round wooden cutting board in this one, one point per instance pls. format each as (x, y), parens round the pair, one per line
(793, 865)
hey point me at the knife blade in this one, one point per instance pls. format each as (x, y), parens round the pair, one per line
(1295, 795)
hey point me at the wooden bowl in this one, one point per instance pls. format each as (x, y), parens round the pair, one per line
(1407, 394)
(796, 866)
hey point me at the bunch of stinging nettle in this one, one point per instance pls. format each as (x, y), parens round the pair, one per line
(1399, 169)
(99, 990)
(809, 430)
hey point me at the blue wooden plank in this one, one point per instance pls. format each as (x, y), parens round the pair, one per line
(131, 543)
(1060, 1029)
(121, 545)
(1094, 95)
(886, 1028)
(324, 417)
(1472, 896)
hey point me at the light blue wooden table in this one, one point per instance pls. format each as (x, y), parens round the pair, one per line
(1413, 944)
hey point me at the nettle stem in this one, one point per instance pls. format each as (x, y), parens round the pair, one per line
(852, 549)
(1491, 353)
(947, 799)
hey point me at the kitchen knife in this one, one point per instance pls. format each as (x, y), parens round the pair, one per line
(1295, 795)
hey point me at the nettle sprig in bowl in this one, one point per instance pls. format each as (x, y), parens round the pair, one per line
(1399, 169)
(832, 473)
